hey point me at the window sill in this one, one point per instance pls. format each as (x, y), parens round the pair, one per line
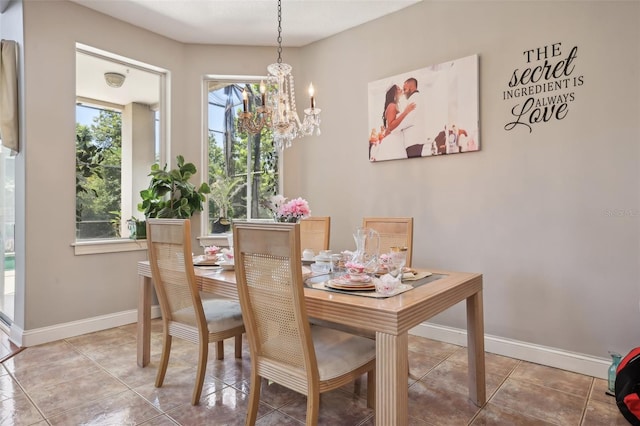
(108, 246)
(219, 240)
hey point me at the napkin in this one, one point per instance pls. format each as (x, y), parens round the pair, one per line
(306, 272)
(413, 276)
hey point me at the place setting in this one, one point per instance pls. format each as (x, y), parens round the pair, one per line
(363, 272)
(352, 281)
(215, 258)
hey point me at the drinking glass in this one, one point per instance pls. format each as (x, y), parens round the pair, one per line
(397, 260)
(367, 249)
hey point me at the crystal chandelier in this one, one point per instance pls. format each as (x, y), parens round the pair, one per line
(278, 109)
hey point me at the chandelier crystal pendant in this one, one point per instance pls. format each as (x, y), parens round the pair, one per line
(278, 109)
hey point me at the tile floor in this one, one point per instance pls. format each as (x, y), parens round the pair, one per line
(94, 380)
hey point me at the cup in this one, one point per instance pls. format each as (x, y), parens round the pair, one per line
(308, 254)
(397, 258)
(337, 264)
(320, 268)
(325, 253)
(324, 257)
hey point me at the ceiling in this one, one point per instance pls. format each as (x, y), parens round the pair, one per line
(228, 22)
(139, 86)
(246, 22)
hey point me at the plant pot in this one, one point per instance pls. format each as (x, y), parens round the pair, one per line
(137, 229)
(220, 225)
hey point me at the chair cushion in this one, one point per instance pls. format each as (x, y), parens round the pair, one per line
(338, 352)
(220, 314)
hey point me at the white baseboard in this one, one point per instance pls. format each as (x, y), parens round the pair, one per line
(551, 357)
(39, 336)
(578, 363)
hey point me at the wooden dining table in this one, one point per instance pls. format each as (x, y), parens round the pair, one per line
(389, 318)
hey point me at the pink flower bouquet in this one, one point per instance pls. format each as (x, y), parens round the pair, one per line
(288, 211)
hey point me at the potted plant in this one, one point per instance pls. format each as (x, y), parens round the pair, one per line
(137, 228)
(223, 189)
(170, 194)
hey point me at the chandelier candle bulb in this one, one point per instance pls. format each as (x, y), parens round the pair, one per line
(263, 90)
(311, 93)
(245, 100)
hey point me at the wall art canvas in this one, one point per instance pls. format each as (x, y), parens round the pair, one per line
(427, 112)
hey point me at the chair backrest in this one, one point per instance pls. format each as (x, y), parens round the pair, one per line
(315, 232)
(171, 260)
(394, 231)
(270, 286)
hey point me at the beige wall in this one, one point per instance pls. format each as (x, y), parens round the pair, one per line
(551, 218)
(531, 211)
(61, 288)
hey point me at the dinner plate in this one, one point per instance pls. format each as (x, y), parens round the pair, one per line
(350, 286)
(209, 268)
(348, 280)
(201, 261)
(227, 266)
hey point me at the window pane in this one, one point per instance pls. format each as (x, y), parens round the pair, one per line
(98, 172)
(232, 154)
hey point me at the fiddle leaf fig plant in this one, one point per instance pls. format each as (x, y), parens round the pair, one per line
(170, 194)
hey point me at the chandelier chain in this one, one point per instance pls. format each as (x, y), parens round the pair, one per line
(279, 31)
(278, 109)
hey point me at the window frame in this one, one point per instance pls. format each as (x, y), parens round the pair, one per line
(161, 148)
(206, 234)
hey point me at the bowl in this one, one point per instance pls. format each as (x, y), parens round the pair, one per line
(359, 277)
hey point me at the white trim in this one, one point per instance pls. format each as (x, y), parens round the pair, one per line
(570, 361)
(42, 335)
(108, 246)
(232, 79)
(123, 60)
(219, 240)
(551, 357)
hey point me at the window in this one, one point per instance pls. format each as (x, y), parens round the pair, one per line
(252, 159)
(7, 235)
(118, 138)
(98, 172)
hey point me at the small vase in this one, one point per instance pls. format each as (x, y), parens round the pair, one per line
(285, 219)
(137, 229)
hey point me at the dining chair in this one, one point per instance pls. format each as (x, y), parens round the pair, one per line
(315, 232)
(186, 313)
(394, 231)
(284, 347)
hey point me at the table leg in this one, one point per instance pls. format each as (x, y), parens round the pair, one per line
(475, 344)
(144, 320)
(392, 375)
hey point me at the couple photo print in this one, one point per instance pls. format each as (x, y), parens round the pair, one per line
(427, 112)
